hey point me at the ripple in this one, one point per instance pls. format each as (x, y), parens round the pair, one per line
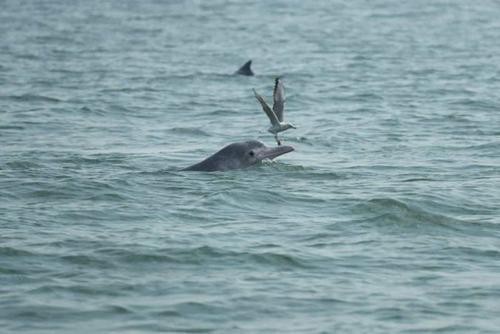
(392, 211)
(31, 98)
(199, 255)
(87, 260)
(190, 132)
(14, 252)
(11, 127)
(384, 220)
(476, 104)
(23, 165)
(279, 260)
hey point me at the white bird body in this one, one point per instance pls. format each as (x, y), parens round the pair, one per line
(276, 114)
(280, 127)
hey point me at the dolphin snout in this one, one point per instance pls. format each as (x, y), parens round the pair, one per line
(273, 152)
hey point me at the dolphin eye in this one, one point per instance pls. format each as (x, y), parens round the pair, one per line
(252, 153)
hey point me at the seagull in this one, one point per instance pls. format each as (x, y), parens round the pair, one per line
(276, 114)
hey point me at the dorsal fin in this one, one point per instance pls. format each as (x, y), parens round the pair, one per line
(245, 69)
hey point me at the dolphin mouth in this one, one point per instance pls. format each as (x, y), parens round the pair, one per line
(273, 152)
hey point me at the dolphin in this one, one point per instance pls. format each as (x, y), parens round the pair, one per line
(245, 69)
(239, 155)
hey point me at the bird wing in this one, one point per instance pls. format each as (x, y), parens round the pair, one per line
(279, 99)
(272, 116)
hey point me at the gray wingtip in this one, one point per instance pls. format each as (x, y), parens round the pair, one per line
(276, 82)
(257, 95)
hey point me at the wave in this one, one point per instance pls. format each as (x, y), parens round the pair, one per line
(391, 211)
(86, 260)
(11, 127)
(189, 131)
(22, 165)
(9, 251)
(31, 98)
(477, 104)
(129, 90)
(92, 111)
(196, 256)
(492, 147)
(95, 158)
(279, 260)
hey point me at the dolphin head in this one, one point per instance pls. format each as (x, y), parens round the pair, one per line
(248, 153)
(258, 151)
(240, 155)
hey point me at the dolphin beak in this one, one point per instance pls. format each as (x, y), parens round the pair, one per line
(273, 152)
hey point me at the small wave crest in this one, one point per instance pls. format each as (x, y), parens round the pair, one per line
(31, 98)
(189, 131)
(392, 211)
(196, 256)
(13, 252)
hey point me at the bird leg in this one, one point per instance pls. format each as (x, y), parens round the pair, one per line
(277, 140)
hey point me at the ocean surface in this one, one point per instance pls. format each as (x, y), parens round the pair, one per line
(385, 218)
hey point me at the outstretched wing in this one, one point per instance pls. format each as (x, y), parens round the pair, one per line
(279, 99)
(272, 116)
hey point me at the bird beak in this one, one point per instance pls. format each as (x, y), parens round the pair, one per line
(273, 152)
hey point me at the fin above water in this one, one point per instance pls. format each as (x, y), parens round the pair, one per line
(245, 69)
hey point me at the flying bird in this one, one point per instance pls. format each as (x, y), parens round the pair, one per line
(276, 114)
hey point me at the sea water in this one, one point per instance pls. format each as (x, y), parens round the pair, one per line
(385, 218)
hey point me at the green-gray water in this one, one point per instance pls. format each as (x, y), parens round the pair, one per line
(384, 220)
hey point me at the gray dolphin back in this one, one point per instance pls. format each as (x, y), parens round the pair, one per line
(210, 164)
(224, 159)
